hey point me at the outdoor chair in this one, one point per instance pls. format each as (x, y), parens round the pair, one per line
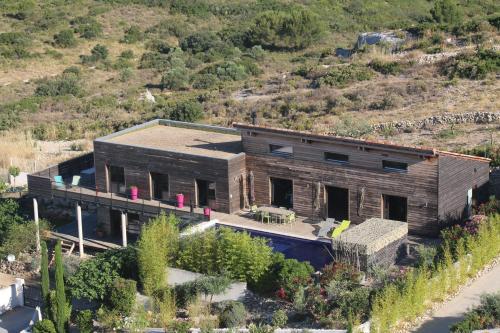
(265, 217)
(75, 181)
(343, 226)
(325, 227)
(59, 181)
(254, 212)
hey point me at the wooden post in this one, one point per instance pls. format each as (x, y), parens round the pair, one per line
(80, 228)
(37, 223)
(124, 229)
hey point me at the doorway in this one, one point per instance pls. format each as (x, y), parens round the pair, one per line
(116, 223)
(337, 203)
(205, 191)
(395, 208)
(281, 192)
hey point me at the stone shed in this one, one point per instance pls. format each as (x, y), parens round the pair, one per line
(375, 242)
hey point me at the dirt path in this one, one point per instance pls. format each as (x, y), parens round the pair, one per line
(453, 310)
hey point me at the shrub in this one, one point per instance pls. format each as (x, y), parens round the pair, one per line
(9, 216)
(280, 318)
(65, 39)
(72, 70)
(127, 54)
(224, 250)
(200, 42)
(121, 296)
(95, 276)
(386, 68)
(205, 81)
(446, 11)
(341, 76)
(87, 27)
(84, 321)
(292, 274)
(164, 305)
(14, 45)
(133, 35)
(295, 28)
(44, 326)
(267, 284)
(20, 238)
(66, 84)
(489, 150)
(484, 316)
(98, 53)
(190, 111)
(227, 71)
(176, 78)
(157, 247)
(60, 308)
(233, 315)
(473, 66)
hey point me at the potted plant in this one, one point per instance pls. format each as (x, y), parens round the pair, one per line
(133, 192)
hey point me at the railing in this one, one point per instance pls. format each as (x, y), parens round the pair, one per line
(45, 187)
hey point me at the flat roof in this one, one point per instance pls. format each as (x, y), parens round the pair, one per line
(180, 137)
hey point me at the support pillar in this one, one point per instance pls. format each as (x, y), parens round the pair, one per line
(37, 224)
(80, 228)
(124, 229)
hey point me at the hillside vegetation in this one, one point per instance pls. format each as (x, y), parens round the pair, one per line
(77, 69)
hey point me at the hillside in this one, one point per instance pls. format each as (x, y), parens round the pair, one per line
(73, 70)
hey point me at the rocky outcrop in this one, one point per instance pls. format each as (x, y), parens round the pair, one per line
(444, 119)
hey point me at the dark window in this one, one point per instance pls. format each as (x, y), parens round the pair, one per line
(395, 208)
(282, 192)
(116, 179)
(334, 157)
(394, 166)
(284, 151)
(159, 183)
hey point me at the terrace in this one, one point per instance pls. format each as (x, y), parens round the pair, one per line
(43, 185)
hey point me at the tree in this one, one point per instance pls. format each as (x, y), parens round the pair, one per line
(44, 271)
(61, 307)
(295, 28)
(14, 172)
(446, 11)
(212, 285)
(157, 245)
(9, 216)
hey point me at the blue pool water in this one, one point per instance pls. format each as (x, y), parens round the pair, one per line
(316, 252)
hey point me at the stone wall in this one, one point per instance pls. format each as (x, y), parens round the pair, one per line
(444, 119)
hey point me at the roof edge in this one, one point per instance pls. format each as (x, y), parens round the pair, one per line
(471, 157)
(428, 151)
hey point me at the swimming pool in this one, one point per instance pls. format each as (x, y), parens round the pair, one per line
(316, 252)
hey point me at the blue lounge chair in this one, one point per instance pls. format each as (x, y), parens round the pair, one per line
(59, 181)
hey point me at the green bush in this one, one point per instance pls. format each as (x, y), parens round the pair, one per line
(233, 315)
(87, 27)
(95, 276)
(473, 66)
(14, 45)
(44, 326)
(386, 68)
(190, 111)
(484, 316)
(280, 318)
(176, 78)
(21, 238)
(488, 150)
(227, 71)
(133, 35)
(10, 216)
(446, 11)
(200, 42)
(84, 321)
(295, 28)
(205, 81)
(65, 39)
(98, 53)
(157, 247)
(224, 250)
(267, 284)
(341, 76)
(66, 84)
(121, 296)
(292, 274)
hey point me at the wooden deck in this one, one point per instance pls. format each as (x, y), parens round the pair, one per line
(88, 242)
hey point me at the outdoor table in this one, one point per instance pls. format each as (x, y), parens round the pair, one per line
(281, 213)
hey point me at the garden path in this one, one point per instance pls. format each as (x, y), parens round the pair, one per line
(453, 310)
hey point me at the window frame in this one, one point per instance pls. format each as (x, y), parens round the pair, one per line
(274, 149)
(393, 168)
(334, 160)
